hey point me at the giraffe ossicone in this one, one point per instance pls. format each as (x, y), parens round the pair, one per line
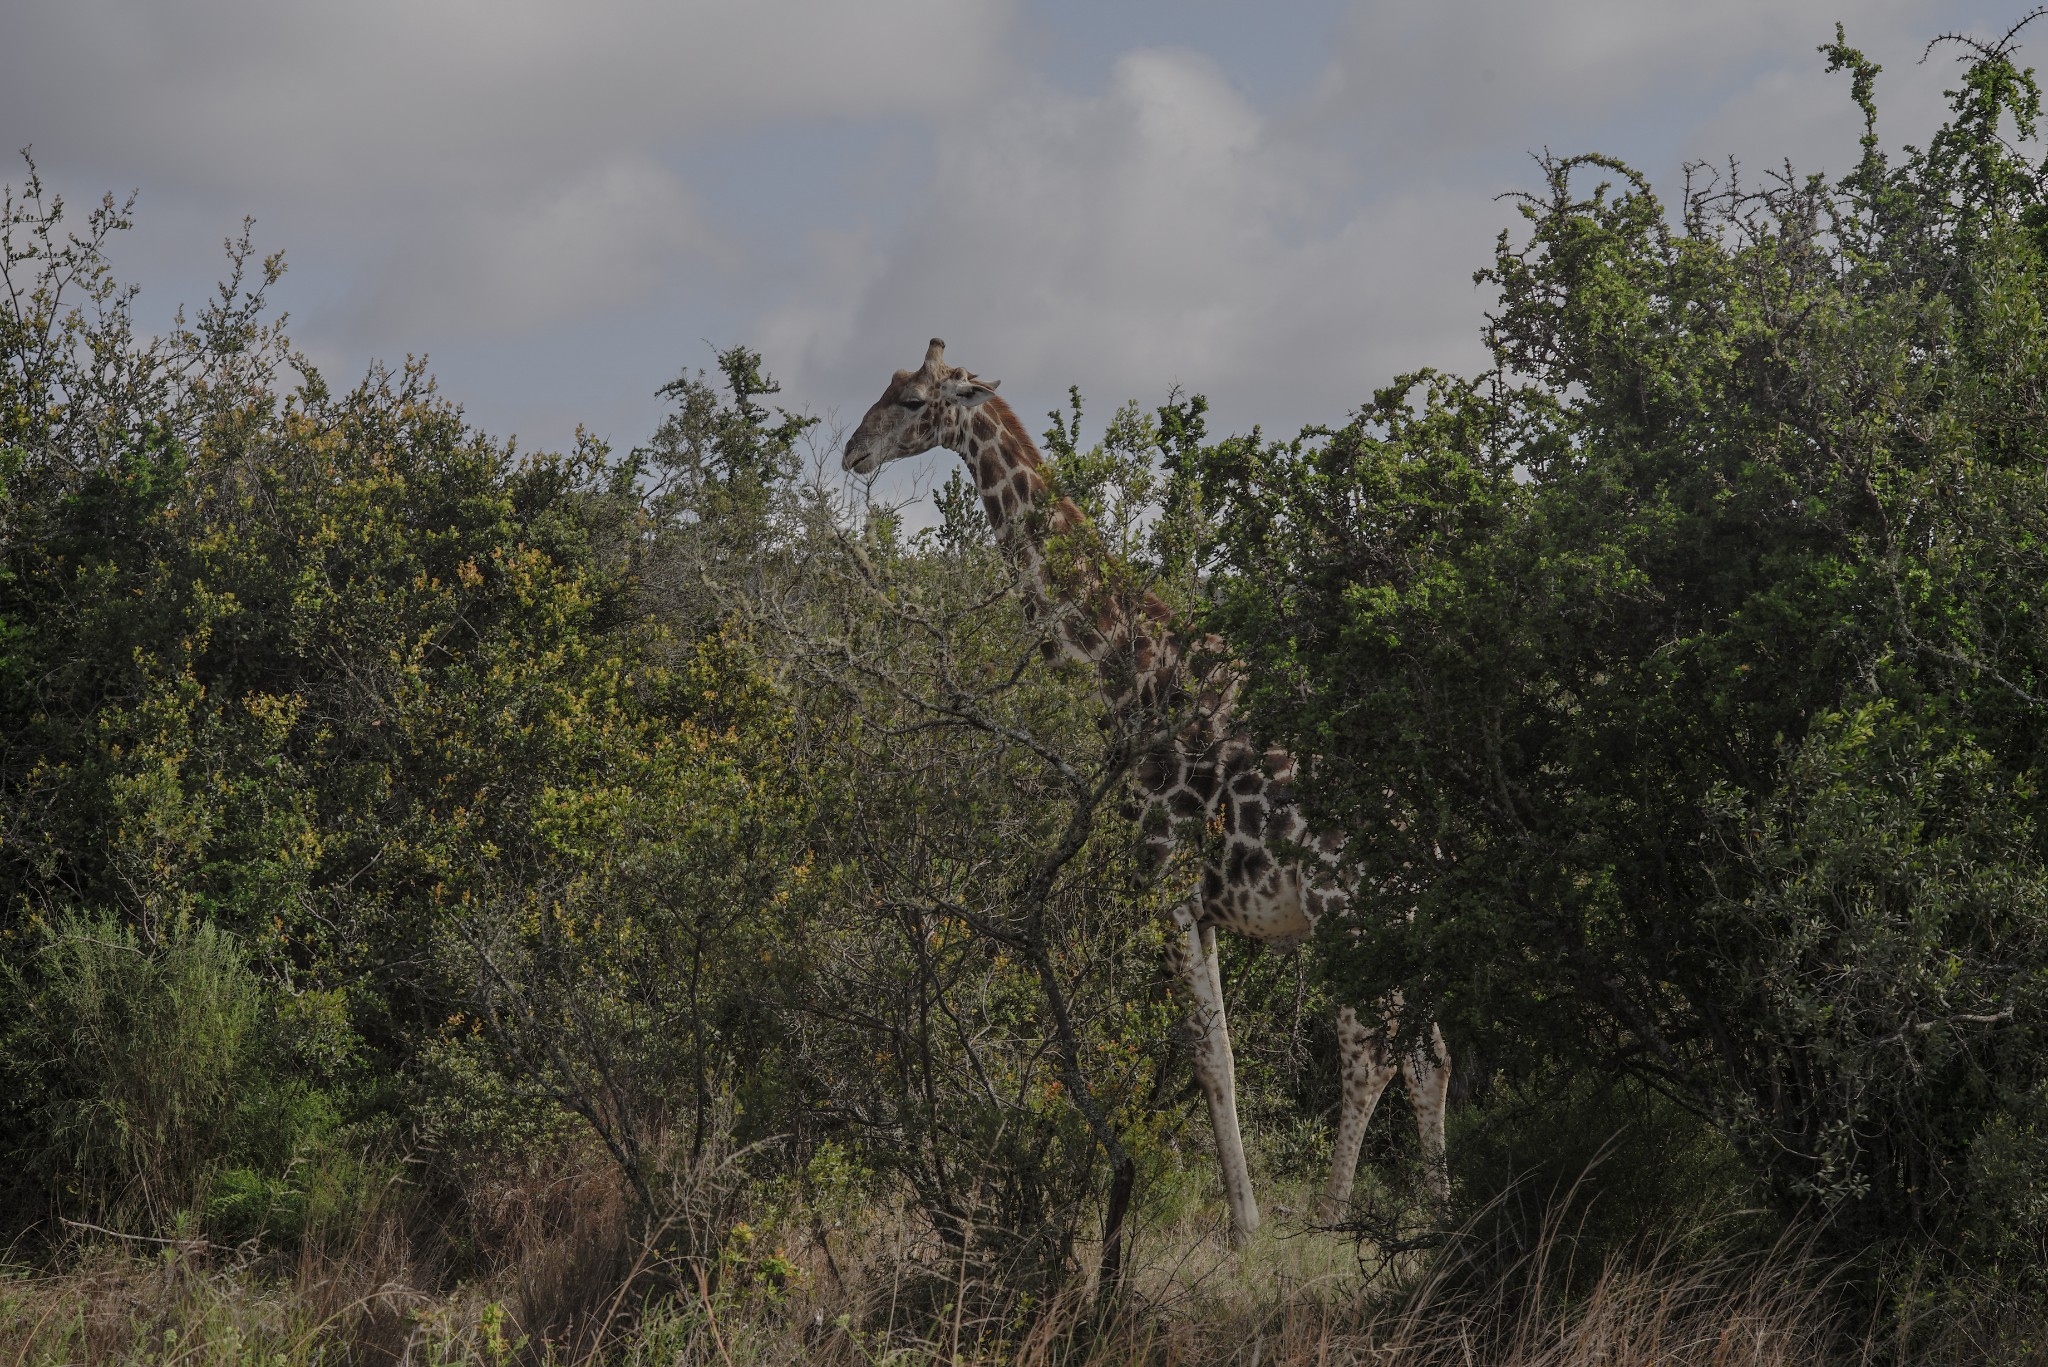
(1199, 768)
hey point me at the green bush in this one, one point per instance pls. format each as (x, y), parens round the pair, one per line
(326, 1192)
(141, 1069)
(1563, 1175)
(1679, 678)
(131, 1058)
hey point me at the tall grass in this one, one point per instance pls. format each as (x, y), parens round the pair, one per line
(131, 1059)
(576, 1284)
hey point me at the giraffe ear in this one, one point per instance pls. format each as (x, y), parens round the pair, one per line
(970, 390)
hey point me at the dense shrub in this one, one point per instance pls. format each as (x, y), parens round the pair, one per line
(1682, 673)
(130, 1062)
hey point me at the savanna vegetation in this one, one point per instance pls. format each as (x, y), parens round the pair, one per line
(467, 905)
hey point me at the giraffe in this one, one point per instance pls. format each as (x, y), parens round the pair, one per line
(1198, 768)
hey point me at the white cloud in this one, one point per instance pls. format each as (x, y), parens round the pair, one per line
(1289, 260)
(562, 200)
(1460, 76)
(443, 96)
(1789, 110)
(466, 167)
(1164, 231)
(581, 246)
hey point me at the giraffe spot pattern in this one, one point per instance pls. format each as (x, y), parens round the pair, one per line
(1206, 769)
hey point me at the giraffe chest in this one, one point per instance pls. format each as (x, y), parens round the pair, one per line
(1253, 883)
(1275, 913)
(1255, 890)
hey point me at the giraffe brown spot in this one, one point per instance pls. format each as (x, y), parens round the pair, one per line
(984, 426)
(988, 469)
(1185, 804)
(1212, 883)
(1151, 773)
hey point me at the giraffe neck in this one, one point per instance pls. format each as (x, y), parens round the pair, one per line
(1128, 636)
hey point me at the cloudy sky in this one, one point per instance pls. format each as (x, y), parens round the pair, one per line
(564, 204)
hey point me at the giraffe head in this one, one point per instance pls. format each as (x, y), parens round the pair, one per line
(921, 409)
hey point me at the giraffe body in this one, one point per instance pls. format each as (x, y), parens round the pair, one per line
(1198, 768)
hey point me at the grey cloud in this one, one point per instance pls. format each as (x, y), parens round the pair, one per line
(341, 100)
(523, 262)
(1289, 260)
(1459, 77)
(1159, 232)
(505, 183)
(454, 168)
(1787, 112)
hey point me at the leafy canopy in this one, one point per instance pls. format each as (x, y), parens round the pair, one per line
(1683, 674)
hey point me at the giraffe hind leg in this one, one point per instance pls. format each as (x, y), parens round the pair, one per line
(1366, 1069)
(1427, 1071)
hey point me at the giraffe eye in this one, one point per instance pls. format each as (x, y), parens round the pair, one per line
(913, 404)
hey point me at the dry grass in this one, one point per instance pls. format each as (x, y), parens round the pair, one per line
(571, 1288)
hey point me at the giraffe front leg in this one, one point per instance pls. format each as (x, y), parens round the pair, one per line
(1366, 1066)
(1427, 1071)
(1193, 951)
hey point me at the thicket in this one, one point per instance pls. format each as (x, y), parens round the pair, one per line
(404, 840)
(478, 903)
(1695, 653)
